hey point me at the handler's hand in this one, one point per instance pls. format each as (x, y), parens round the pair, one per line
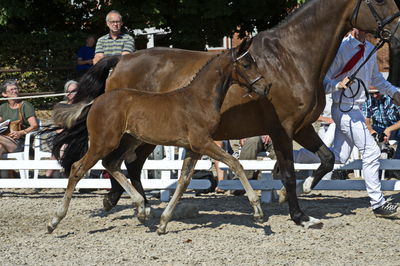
(344, 84)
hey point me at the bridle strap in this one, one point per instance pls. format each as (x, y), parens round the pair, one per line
(354, 16)
(381, 32)
(251, 82)
(241, 56)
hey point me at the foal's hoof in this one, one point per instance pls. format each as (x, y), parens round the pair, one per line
(50, 228)
(312, 223)
(144, 215)
(161, 230)
(307, 185)
(282, 196)
(259, 219)
(110, 200)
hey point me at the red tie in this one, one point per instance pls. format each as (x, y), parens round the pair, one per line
(353, 61)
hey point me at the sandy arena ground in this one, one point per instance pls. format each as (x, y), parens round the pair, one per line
(222, 233)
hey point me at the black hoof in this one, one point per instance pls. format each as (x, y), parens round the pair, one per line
(110, 200)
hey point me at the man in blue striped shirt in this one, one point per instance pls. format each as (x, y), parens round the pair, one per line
(115, 42)
(383, 116)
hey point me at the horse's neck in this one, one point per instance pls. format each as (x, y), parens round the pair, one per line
(213, 80)
(315, 33)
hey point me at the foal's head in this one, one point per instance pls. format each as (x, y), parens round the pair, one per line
(245, 70)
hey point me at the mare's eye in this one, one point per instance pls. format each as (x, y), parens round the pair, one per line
(379, 1)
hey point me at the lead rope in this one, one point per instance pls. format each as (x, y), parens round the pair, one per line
(360, 83)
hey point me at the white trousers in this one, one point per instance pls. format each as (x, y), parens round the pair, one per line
(327, 134)
(351, 131)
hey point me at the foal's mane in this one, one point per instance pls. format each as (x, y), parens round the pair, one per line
(202, 69)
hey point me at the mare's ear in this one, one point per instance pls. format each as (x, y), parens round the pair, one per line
(244, 46)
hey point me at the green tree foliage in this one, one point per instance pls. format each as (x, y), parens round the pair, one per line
(42, 36)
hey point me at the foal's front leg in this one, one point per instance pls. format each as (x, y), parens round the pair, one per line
(215, 152)
(187, 171)
(78, 171)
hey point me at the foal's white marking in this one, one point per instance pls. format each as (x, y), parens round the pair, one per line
(307, 184)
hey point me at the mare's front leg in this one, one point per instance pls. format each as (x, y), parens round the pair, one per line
(134, 170)
(284, 152)
(78, 171)
(187, 171)
(211, 149)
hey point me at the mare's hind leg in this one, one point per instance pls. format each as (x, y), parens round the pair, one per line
(211, 149)
(112, 162)
(189, 163)
(309, 139)
(78, 171)
(134, 170)
(284, 153)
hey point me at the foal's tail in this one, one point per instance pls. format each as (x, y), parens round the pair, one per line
(72, 142)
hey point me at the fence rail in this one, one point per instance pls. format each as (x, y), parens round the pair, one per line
(266, 184)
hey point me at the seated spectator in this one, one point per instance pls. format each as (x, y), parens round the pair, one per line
(70, 89)
(21, 115)
(251, 147)
(85, 56)
(218, 171)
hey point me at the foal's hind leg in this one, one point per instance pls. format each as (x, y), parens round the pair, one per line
(211, 149)
(78, 171)
(134, 170)
(112, 162)
(189, 163)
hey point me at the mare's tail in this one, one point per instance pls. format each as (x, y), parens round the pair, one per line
(72, 142)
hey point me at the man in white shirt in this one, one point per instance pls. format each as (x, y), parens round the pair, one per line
(347, 114)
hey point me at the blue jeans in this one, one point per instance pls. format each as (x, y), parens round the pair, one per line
(394, 135)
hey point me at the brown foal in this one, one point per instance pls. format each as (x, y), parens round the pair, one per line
(121, 120)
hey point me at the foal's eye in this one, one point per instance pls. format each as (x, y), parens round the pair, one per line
(246, 66)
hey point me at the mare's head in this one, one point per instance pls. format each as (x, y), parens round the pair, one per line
(379, 17)
(245, 70)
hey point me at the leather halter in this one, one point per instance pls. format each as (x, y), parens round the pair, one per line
(381, 32)
(251, 82)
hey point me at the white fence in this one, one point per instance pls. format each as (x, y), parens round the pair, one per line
(266, 184)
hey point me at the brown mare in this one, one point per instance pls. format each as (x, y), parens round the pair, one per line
(185, 117)
(293, 57)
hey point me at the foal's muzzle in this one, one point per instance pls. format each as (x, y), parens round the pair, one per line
(260, 90)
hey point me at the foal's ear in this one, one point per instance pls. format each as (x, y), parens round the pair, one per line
(244, 46)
